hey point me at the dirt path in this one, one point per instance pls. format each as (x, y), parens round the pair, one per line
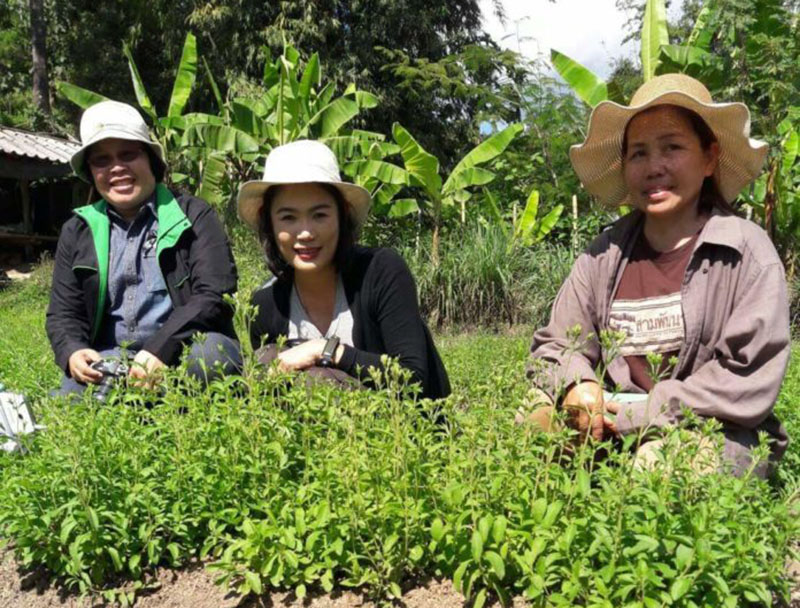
(193, 587)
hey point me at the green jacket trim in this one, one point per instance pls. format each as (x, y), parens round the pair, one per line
(172, 223)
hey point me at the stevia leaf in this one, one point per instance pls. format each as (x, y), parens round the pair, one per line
(254, 581)
(477, 546)
(496, 563)
(437, 530)
(680, 587)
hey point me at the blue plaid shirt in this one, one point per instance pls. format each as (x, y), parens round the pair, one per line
(139, 301)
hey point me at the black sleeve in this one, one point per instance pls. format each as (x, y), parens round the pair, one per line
(67, 324)
(393, 305)
(212, 273)
(261, 328)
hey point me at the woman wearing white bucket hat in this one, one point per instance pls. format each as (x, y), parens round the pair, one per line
(144, 266)
(681, 277)
(347, 305)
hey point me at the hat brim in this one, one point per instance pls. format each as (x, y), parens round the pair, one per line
(77, 160)
(251, 199)
(598, 160)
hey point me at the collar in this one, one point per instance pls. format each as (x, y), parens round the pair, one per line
(149, 205)
(723, 229)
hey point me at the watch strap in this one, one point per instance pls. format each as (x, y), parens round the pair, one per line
(328, 352)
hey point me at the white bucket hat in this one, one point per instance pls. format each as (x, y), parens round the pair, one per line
(301, 162)
(111, 120)
(598, 160)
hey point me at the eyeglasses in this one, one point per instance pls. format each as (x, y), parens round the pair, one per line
(104, 161)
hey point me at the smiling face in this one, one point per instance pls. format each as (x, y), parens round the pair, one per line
(665, 164)
(305, 223)
(122, 174)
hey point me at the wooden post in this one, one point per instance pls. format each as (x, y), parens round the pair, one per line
(27, 215)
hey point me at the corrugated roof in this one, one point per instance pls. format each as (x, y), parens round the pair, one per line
(36, 145)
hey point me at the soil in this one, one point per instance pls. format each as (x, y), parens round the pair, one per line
(193, 587)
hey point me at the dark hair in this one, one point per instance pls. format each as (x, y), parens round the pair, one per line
(266, 233)
(710, 194)
(157, 166)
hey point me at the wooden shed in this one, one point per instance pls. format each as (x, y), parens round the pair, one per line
(37, 187)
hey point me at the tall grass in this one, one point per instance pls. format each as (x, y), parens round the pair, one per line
(486, 279)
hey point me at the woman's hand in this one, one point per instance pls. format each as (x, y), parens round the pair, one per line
(79, 363)
(302, 356)
(610, 424)
(583, 404)
(144, 367)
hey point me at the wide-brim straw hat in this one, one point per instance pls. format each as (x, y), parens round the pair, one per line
(301, 162)
(111, 120)
(598, 160)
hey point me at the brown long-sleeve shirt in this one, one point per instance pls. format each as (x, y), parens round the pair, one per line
(736, 321)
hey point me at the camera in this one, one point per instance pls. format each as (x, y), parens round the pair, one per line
(113, 371)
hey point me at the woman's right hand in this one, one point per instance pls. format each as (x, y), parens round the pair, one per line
(583, 404)
(79, 363)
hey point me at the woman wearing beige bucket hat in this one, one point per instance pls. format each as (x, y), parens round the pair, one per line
(344, 305)
(681, 277)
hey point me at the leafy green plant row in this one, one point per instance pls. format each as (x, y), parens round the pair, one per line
(309, 487)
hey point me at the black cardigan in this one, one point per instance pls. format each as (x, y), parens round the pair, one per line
(382, 297)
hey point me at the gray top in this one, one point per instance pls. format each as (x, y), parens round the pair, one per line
(301, 326)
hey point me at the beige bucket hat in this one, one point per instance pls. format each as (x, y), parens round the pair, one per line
(301, 162)
(598, 160)
(111, 120)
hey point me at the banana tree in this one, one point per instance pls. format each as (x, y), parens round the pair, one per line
(165, 129)
(421, 170)
(590, 87)
(295, 105)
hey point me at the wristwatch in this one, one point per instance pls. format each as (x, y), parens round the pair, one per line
(328, 352)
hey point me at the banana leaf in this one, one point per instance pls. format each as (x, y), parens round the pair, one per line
(138, 85)
(403, 207)
(311, 78)
(482, 153)
(83, 98)
(586, 84)
(185, 78)
(466, 178)
(214, 88)
(527, 221)
(548, 222)
(185, 121)
(245, 119)
(386, 173)
(216, 138)
(790, 151)
(335, 115)
(654, 36)
(421, 165)
(703, 32)
(213, 179)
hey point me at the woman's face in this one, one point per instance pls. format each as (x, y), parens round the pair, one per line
(305, 222)
(122, 174)
(665, 164)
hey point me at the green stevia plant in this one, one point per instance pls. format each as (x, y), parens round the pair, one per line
(277, 484)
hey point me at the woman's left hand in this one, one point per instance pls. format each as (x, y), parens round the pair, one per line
(302, 356)
(609, 424)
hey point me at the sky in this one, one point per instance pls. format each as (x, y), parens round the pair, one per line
(589, 31)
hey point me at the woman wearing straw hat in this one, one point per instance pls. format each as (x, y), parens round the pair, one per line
(681, 277)
(346, 304)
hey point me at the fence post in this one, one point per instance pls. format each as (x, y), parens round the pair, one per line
(574, 224)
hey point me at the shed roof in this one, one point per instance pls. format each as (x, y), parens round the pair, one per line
(27, 144)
